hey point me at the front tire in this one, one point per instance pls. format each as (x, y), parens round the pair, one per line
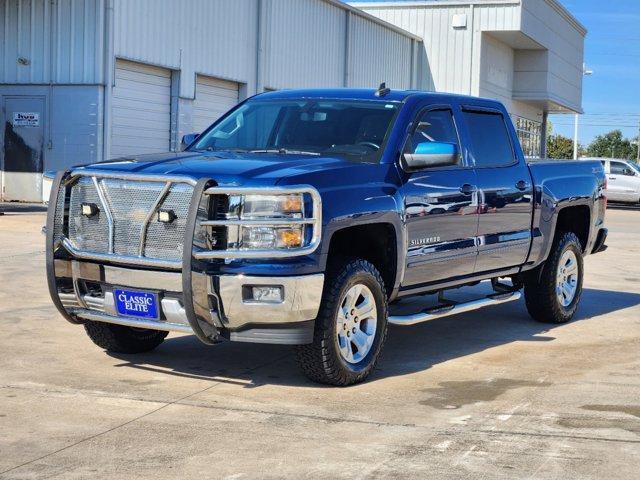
(350, 329)
(552, 295)
(121, 339)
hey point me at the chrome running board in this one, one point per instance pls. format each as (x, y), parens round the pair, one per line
(448, 310)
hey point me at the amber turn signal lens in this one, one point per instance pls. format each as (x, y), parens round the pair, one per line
(292, 204)
(290, 237)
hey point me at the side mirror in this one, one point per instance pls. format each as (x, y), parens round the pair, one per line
(432, 154)
(188, 139)
(629, 173)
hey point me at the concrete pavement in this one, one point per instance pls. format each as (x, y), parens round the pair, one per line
(490, 394)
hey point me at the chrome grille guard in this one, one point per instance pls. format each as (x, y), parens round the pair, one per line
(164, 187)
(200, 312)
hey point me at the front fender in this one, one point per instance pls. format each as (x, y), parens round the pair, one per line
(369, 204)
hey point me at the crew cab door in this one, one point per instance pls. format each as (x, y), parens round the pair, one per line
(506, 187)
(440, 205)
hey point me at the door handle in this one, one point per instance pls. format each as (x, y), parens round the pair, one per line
(468, 189)
(522, 185)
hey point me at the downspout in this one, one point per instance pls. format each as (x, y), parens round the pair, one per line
(347, 49)
(52, 78)
(473, 35)
(109, 64)
(261, 40)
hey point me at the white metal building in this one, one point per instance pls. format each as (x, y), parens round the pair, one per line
(527, 53)
(86, 80)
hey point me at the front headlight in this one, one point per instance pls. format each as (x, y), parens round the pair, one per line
(269, 222)
(259, 207)
(273, 206)
(267, 238)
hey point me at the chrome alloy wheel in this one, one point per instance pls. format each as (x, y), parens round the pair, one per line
(356, 323)
(567, 278)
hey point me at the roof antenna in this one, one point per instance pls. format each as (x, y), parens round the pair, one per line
(383, 90)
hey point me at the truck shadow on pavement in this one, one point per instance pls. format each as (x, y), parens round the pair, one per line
(408, 349)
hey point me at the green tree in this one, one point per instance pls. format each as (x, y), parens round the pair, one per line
(560, 147)
(613, 145)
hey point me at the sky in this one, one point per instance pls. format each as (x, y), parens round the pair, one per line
(611, 96)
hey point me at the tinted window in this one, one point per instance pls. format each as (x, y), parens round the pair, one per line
(489, 138)
(434, 126)
(350, 129)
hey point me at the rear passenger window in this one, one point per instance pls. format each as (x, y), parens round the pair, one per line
(490, 139)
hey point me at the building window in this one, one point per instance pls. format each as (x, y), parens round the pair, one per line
(530, 135)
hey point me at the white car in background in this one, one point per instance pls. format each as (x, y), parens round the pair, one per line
(623, 179)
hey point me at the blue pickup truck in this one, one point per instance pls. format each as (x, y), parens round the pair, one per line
(301, 217)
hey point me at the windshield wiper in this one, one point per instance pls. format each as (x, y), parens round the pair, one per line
(284, 151)
(232, 150)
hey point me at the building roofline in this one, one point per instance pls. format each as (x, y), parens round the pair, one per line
(431, 3)
(372, 18)
(567, 15)
(555, 4)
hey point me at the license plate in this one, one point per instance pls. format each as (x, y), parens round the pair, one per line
(136, 304)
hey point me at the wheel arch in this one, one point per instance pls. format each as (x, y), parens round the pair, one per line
(378, 242)
(576, 219)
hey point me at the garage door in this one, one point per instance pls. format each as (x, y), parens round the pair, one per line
(213, 98)
(141, 108)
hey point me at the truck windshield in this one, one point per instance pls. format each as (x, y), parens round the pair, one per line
(355, 130)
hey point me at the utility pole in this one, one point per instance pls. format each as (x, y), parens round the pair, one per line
(585, 73)
(575, 137)
(638, 143)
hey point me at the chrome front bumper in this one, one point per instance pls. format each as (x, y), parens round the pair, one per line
(220, 298)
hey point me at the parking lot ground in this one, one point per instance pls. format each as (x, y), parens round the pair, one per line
(490, 394)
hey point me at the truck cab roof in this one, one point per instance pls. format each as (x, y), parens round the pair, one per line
(370, 94)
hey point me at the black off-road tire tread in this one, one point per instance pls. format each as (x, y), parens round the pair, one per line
(540, 292)
(316, 359)
(121, 339)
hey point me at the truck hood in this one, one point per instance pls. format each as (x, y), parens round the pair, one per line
(226, 168)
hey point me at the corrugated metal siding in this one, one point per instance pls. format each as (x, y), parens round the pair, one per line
(61, 39)
(305, 44)
(498, 17)
(378, 54)
(445, 48)
(216, 38)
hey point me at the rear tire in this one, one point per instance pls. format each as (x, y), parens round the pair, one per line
(121, 339)
(351, 326)
(552, 294)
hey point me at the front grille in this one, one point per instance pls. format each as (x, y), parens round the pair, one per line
(130, 204)
(87, 233)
